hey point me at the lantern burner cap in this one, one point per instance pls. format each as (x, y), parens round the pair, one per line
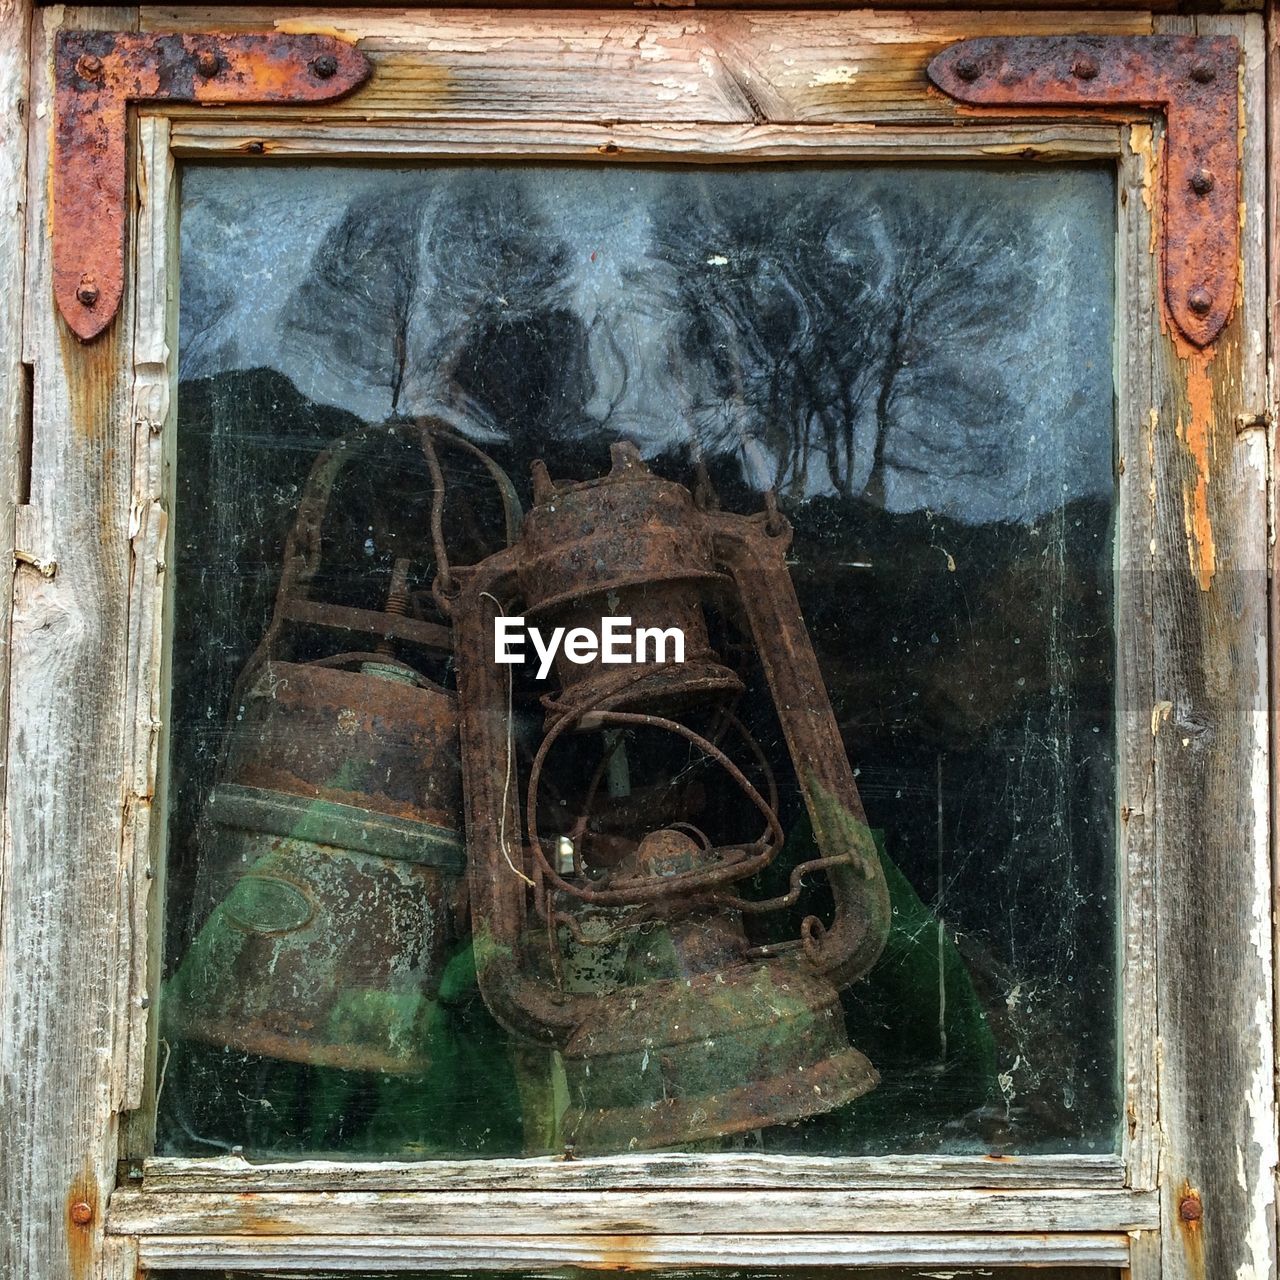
(669, 852)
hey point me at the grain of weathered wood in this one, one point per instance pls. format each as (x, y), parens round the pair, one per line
(15, 35)
(1137, 319)
(61, 977)
(618, 66)
(626, 1252)
(1212, 772)
(653, 1172)
(1272, 35)
(120, 1259)
(608, 1213)
(209, 136)
(1159, 6)
(152, 426)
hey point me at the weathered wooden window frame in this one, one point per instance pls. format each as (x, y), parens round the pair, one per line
(85, 799)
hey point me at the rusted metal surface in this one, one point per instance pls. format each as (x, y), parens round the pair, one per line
(626, 544)
(1194, 81)
(636, 964)
(1190, 1207)
(332, 838)
(97, 75)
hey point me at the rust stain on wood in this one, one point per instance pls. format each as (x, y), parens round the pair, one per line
(618, 1253)
(1197, 434)
(92, 373)
(251, 1221)
(1189, 1216)
(83, 1220)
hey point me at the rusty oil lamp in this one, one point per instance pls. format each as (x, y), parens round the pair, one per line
(612, 929)
(333, 827)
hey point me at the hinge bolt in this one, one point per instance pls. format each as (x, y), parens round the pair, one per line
(1203, 72)
(325, 67)
(82, 1213)
(968, 70)
(87, 293)
(89, 67)
(1200, 302)
(208, 64)
(1253, 421)
(1084, 68)
(1202, 182)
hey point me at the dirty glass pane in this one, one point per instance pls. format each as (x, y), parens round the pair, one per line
(916, 361)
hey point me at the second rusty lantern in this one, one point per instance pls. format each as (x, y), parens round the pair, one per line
(333, 830)
(611, 927)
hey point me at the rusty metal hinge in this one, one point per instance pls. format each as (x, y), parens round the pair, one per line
(97, 74)
(1194, 81)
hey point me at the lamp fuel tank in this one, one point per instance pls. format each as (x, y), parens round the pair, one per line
(334, 825)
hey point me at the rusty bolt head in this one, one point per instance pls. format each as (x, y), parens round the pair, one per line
(1203, 72)
(1085, 68)
(87, 291)
(968, 70)
(1202, 182)
(208, 64)
(1190, 1209)
(82, 1213)
(89, 67)
(325, 67)
(1200, 302)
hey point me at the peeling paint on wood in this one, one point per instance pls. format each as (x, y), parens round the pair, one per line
(1196, 432)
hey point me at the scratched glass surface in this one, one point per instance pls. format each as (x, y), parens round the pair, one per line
(917, 361)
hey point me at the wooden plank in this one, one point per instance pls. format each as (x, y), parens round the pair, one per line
(154, 403)
(1157, 6)
(1272, 34)
(59, 935)
(607, 1213)
(625, 1252)
(120, 1259)
(235, 1175)
(210, 136)
(1137, 318)
(1212, 772)
(15, 398)
(618, 66)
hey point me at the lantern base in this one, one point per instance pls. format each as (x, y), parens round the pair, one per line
(673, 1063)
(320, 954)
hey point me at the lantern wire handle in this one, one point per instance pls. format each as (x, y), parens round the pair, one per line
(506, 782)
(443, 574)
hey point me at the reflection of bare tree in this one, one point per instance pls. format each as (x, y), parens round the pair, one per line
(831, 343)
(778, 310)
(357, 306)
(505, 350)
(812, 324)
(956, 278)
(453, 299)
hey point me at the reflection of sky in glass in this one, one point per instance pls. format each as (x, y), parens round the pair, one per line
(932, 337)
